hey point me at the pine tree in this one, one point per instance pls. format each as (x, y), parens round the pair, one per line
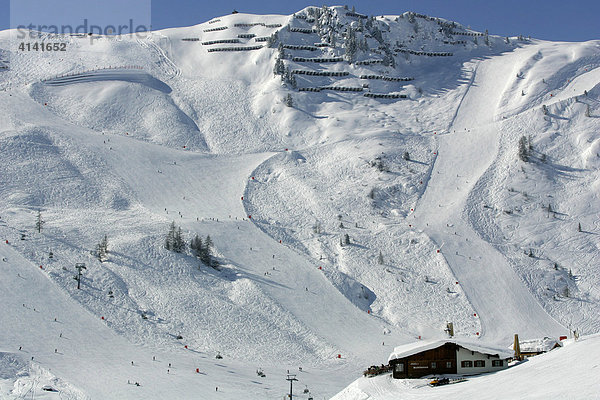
(292, 80)
(380, 258)
(346, 239)
(288, 101)
(279, 68)
(523, 149)
(208, 242)
(170, 239)
(196, 245)
(102, 249)
(206, 252)
(587, 111)
(273, 39)
(179, 242)
(579, 227)
(39, 222)
(350, 45)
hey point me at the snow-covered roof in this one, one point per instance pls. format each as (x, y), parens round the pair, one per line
(537, 345)
(424, 345)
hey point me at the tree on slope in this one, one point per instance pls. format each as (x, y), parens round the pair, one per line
(206, 252)
(288, 101)
(170, 239)
(351, 45)
(196, 245)
(39, 222)
(174, 240)
(523, 149)
(102, 249)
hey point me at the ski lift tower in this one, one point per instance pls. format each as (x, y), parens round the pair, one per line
(291, 378)
(79, 267)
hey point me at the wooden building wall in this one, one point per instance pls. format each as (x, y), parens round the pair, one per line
(441, 360)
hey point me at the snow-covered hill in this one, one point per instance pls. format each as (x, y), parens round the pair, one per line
(384, 200)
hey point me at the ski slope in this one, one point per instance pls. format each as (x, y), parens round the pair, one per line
(459, 165)
(343, 226)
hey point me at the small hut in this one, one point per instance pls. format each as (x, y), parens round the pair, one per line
(534, 347)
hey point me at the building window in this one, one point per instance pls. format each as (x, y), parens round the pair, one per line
(400, 367)
(497, 363)
(448, 364)
(479, 363)
(433, 365)
(466, 364)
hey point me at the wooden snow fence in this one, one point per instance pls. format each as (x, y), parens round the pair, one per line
(214, 20)
(319, 73)
(322, 45)
(252, 24)
(423, 16)
(220, 28)
(467, 33)
(244, 48)
(386, 78)
(369, 62)
(342, 88)
(333, 88)
(385, 96)
(309, 89)
(318, 60)
(446, 24)
(355, 15)
(302, 30)
(300, 16)
(455, 42)
(220, 41)
(300, 47)
(426, 53)
(246, 35)
(262, 39)
(190, 39)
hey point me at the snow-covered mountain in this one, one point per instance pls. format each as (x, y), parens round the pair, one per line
(364, 180)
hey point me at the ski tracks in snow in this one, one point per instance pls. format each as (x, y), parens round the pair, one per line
(484, 273)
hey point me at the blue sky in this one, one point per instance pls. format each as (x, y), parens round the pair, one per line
(574, 20)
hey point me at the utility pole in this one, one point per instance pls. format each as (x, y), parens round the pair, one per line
(291, 378)
(79, 267)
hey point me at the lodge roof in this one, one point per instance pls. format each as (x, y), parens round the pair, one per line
(537, 345)
(424, 345)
